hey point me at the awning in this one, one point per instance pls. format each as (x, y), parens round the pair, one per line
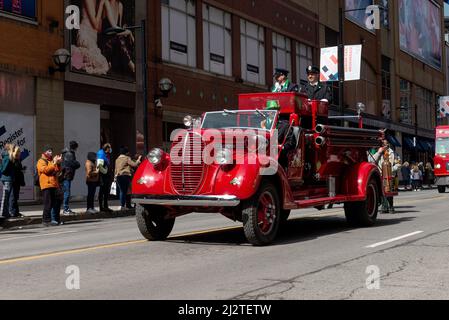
(421, 146)
(393, 141)
(427, 145)
(408, 143)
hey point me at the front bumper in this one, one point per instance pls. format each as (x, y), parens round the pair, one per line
(188, 201)
(442, 181)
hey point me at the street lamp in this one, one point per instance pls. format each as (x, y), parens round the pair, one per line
(117, 30)
(61, 58)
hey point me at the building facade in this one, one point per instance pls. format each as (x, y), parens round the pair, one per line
(31, 100)
(212, 50)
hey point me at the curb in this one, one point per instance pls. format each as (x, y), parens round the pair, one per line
(31, 221)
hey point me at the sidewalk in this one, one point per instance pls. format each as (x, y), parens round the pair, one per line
(32, 214)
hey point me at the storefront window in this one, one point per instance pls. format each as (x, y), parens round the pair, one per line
(217, 40)
(252, 52)
(179, 32)
(304, 58)
(282, 52)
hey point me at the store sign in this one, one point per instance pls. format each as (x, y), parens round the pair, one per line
(22, 8)
(18, 129)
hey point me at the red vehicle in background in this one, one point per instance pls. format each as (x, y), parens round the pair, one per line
(441, 160)
(326, 165)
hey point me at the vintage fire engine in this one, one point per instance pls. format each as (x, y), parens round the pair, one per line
(442, 158)
(327, 165)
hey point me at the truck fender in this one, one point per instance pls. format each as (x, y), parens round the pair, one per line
(357, 178)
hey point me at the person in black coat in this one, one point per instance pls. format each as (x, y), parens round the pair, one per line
(282, 83)
(315, 89)
(19, 181)
(69, 167)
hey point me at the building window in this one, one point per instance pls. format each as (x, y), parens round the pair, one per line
(282, 52)
(364, 90)
(386, 88)
(217, 40)
(253, 52)
(20, 9)
(424, 104)
(179, 32)
(385, 14)
(304, 58)
(405, 99)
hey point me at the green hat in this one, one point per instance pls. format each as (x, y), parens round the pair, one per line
(273, 105)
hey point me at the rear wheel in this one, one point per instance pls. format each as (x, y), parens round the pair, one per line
(441, 189)
(364, 213)
(262, 215)
(152, 222)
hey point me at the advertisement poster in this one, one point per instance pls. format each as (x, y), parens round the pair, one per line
(98, 54)
(420, 30)
(359, 17)
(19, 130)
(329, 63)
(443, 110)
(23, 8)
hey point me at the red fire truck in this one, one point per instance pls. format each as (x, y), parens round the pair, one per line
(442, 158)
(326, 165)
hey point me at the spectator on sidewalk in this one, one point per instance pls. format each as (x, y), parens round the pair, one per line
(69, 167)
(397, 175)
(123, 173)
(416, 176)
(7, 179)
(429, 175)
(19, 181)
(48, 169)
(104, 164)
(92, 178)
(406, 174)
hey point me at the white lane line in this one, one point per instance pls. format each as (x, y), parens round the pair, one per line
(37, 236)
(394, 239)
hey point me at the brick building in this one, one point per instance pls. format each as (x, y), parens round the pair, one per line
(212, 50)
(31, 100)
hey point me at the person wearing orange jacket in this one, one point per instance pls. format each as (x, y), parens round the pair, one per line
(48, 168)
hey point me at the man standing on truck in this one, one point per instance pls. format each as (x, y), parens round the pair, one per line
(283, 84)
(315, 89)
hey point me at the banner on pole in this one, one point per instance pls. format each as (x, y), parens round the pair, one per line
(443, 110)
(329, 63)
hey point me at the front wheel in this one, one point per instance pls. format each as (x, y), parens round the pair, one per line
(364, 213)
(262, 215)
(441, 189)
(152, 222)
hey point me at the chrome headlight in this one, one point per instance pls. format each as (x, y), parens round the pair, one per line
(223, 157)
(188, 121)
(155, 156)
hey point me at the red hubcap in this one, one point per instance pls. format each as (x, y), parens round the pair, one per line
(266, 213)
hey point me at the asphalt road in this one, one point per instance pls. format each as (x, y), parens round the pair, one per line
(317, 256)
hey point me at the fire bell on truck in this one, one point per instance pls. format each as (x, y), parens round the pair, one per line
(315, 89)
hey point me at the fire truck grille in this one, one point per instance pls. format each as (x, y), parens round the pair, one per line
(187, 176)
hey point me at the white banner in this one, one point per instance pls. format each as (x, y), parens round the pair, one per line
(19, 130)
(329, 63)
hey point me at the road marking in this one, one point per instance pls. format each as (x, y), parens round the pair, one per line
(37, 236)
(74, 251)
(393, 240)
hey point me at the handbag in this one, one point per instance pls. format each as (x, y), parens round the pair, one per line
(113, 191)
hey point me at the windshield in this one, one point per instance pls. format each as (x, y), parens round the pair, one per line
(253, 119)
(442, 146)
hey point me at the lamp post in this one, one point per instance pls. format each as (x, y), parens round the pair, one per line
(61, 58)
(117, 30)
